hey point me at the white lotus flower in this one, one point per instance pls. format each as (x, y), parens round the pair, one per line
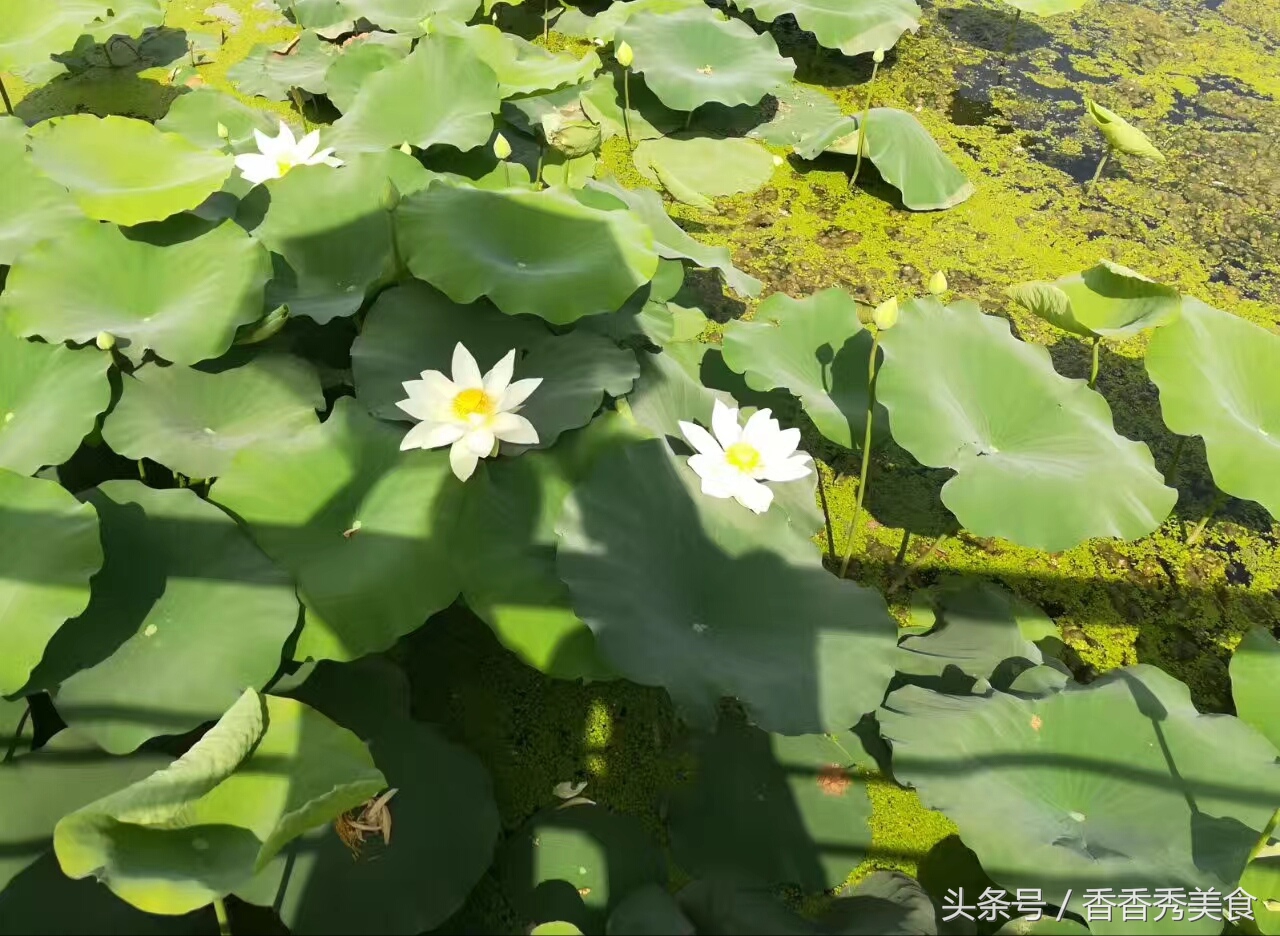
(738, 459)
(470, 412)
(277, 155)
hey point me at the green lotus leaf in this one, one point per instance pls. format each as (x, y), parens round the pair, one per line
(1044, 926)
(603, 25)
(803, 115)
(777, 810)
(555, 928)
(1217, 378)
(445, 821)
(853, 28)
(1255, 681)
(268, 771)
(32, 208)
(315, 14)
(693, 169)
(646, 119)
(1037, 460)
(908, 159)
(406, 16)
(695, 56)
(521, 66)
(537, 252)
(576, 863)
(49, 550)
(364, 586)
(39, 788)
(1118, 783)
(128, 18)
(725, 903)
(1046, 8)
(648, 910)
(1120, 134)
(126, 171)
(272, 74)
(180, 583)
(196, 116)
(441, 93)
(50, 398)
(687, 591)
(884, 903)
(194, 422)
(1104, 301)
(349, 71)
(414, 328)
(335, 233)
(1262, 880)
(670, 240)
(817, 349)
(184, 301)
(35, 30)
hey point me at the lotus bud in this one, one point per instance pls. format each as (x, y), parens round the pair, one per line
(105, 340)
(777, 160)
(406, 148)
(501, 148)
(390, 196)
(624, 55)
(938, 283)
(223, 132)
(886, 314)
(878, 55)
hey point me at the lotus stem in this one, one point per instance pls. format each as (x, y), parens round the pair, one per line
(688, 119)
(1171, 476)
(546, 20)
(906, 573)
(537, 176)
(396, 257)
(4, 93)
(1266, 837)
(296, 93)
(862, 126)
(852, 533)
(191, 52)
(1098, 172)
(1093, 367)
(220, 910)
(1013, 32)
(1198, 531)
(142, 470)
(17, 734)
(902, 548)
(626, 106)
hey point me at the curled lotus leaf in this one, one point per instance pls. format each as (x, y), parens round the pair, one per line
(1118, 783)
(852, 27)
(273, 73)
(687, 591)
(126, 171)
(604, 100)
(696, 56)
(802, 116)
(604, 25)
(542, 253)
(1120, 134)
(1036, 456)
(268, 771)
(32, 207)
(184, 301)
(440, 93)
(50, 398)
(817, 349)
(180, 582)
(1219, 378)
(521, 66)
(49, 550)
(1105, 301)
(694, 170)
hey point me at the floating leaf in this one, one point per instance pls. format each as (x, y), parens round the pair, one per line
(1037, 459)
(198, 114)
(128, 18)
(802, 115)
(35, 31)
(444, 820)
(818, 350)
(272, 74)
(1255, 681)
(692, 169)
(909, 159)
(1118, 783)
(521, 66)
(268, 771)
(362, 58)
(576, 863)
(441, 93)
(537, 252)
(50, 398)
(1104, 301)
(688, 592)
(695, 56)
(195, 422)
(184, 301)
(49, 550)
(1217, 375)
(126, 171)
(774, 809)
(1120, 134)
(181, 583)
(333, 230)
(32, 208)
(363, 587)
(853, 28)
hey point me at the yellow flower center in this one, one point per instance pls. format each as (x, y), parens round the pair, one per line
(284, 164)
(744, 457)
(473, 402)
